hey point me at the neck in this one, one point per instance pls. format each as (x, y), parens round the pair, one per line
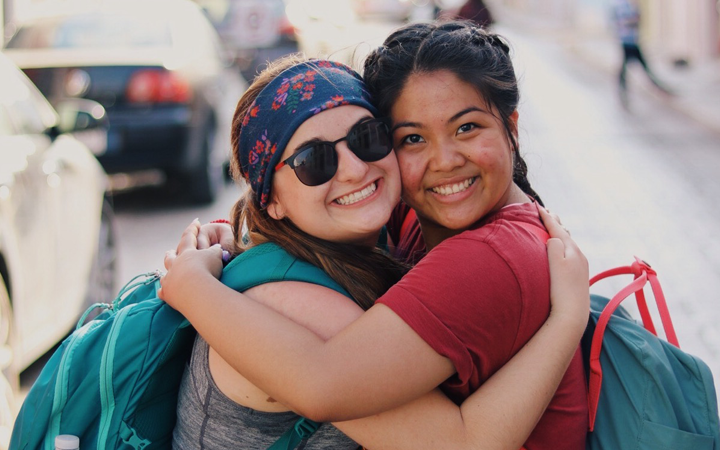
(434, 234)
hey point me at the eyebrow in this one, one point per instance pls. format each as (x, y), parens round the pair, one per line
(452, 119)
(315, 140)
(466, 111)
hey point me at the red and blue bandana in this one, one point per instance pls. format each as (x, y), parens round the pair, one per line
(294, 96)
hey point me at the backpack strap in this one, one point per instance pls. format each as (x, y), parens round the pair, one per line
(643, 274)
(299, 432)
(410, 217)
(267, 263)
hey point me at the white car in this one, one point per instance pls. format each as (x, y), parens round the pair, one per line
(57, 252)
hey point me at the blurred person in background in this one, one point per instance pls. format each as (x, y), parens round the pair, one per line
(626, 22)
(477, 12)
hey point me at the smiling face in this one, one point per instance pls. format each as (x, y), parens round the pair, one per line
(355, 204)
(455, 157)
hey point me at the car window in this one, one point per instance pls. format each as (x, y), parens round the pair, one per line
(93, 30)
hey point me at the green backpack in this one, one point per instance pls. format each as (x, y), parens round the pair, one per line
(114, 381)
(644, 392)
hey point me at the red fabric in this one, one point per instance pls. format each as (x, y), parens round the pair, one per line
(408, 240)
(477, 298)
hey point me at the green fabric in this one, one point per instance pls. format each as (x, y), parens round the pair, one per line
(145, 355)
(654, 396)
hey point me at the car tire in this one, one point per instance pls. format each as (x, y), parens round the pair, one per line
(9, 373)
(207, 179)
(102, 281)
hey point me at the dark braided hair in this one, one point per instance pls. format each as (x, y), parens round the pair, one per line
(476, 56)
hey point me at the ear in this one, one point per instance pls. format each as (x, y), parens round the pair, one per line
(513, 121)
(276, 209)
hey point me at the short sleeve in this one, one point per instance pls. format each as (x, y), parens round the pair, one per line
(465, 301)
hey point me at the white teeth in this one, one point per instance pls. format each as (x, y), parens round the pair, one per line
(453, 188)
(357, 196)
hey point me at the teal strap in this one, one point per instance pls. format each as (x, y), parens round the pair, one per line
(300, 431)
(382, 242)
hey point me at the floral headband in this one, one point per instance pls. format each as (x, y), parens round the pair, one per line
(294, 96)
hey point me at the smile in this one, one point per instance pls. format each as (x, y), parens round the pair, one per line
(450, 189)
(356, 196)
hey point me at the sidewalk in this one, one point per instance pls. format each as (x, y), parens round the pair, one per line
(696, 87)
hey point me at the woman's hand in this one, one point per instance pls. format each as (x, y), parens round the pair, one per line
(215, 233)
(569, 274)
(188, 265)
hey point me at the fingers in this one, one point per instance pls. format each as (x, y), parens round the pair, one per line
(204, 239)
(553, 225)
(189, 241)
(215, 233)
(170, 256)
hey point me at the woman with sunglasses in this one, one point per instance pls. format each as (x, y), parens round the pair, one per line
(328, 207)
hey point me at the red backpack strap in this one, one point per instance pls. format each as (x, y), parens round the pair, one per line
(410, 217)
(643, 274)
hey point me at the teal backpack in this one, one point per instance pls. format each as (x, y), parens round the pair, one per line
(644, 392)
(114, 381)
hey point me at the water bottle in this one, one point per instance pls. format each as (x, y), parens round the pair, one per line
(67, 442)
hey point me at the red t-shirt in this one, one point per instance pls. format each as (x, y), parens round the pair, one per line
(477, 298)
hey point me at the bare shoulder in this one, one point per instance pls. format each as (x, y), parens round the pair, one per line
(320, 309)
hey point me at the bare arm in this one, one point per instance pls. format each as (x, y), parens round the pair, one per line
(399, 372)
(483, 422)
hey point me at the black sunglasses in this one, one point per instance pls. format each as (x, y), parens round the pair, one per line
(317, 163)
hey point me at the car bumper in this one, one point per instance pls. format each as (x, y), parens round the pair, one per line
(152, 138)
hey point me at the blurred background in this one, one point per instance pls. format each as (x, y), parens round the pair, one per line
(115, 119)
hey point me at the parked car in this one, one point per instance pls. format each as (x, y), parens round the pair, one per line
(159, 69)
(57, 246)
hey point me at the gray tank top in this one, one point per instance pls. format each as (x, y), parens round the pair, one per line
(207, 419)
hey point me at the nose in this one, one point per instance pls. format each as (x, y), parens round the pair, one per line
(350, 167)
(445, 156)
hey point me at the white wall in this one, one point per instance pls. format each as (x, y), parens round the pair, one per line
(682, 28)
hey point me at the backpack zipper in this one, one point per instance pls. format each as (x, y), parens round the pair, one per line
(61, 381)
(107, 395)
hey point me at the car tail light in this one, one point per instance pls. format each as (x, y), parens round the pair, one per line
(286, 28)
(158, 86)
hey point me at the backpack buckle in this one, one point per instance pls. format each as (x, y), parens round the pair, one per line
(640, 266)
(131, 438)
(306, 427)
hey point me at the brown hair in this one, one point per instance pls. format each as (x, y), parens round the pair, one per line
(365, 273)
